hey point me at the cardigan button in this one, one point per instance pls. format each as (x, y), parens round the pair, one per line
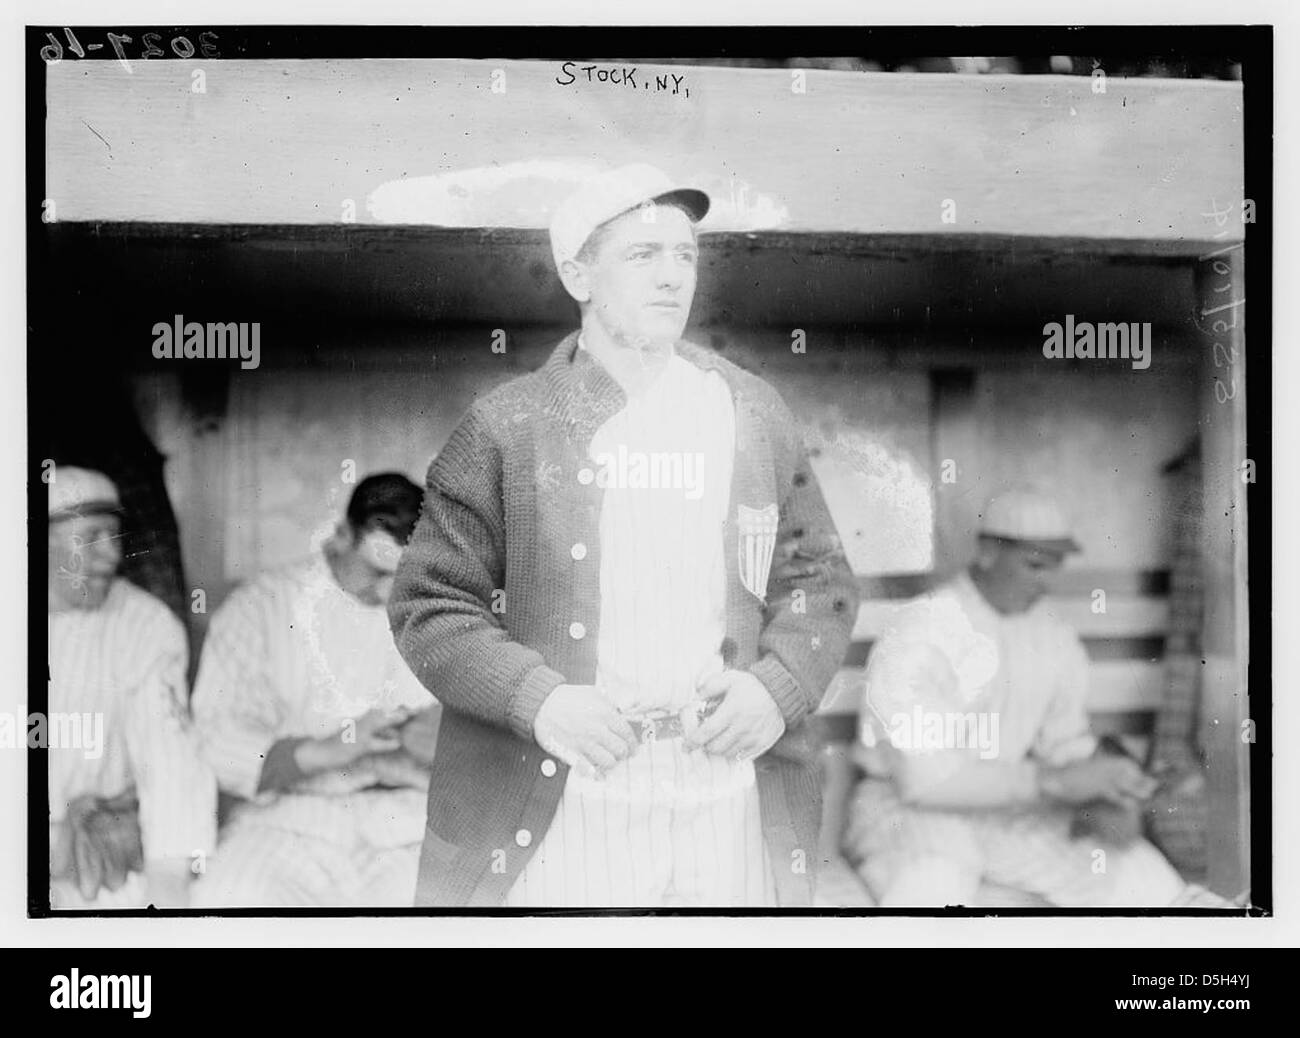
(585, 476)
(578, 551)
(577, 631)
(548, 768)
(523, 837)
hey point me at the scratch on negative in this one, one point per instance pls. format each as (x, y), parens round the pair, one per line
(97, 134)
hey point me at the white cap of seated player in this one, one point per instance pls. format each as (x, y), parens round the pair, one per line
(76, 491)
(1030, 517)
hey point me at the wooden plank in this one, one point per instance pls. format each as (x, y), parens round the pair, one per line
(1124, 685)
(283, 141)
(1117, 583)
(1225, 692)
(1126, 616)
(1114, 686)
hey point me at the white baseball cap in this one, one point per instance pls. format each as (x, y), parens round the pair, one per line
(611, 194)
(1030, 517)
(76, 492)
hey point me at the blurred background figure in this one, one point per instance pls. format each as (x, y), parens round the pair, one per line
(132, 807)
(309, 716)
(980, 763)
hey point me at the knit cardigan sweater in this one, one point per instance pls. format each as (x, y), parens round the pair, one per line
(491, 610)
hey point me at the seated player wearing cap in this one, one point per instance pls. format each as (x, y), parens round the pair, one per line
(980, 763)
(308, 714)
(131, 805)
(628, 586)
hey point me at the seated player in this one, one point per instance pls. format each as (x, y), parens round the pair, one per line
(309, 716)
(980, 764)
(132, 807)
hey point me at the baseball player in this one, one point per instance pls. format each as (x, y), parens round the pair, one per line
(132, 807)
(308, 715)
(980, 763)
(627, 584)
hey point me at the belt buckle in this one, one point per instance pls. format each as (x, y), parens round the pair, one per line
(656, 725)
(667, 724)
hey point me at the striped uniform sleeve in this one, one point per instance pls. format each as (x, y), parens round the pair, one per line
(176, 790)
(236, 708)
(1065, 735)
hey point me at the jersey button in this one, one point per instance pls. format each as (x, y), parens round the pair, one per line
(523, 837)
(548, 768)
(578, 551)
(577, 631)
(585, 476)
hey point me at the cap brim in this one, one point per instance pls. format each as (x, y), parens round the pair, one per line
(1057, 546)
(88, 508)
(695, 202)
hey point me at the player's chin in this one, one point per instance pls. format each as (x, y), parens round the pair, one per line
(663, 324)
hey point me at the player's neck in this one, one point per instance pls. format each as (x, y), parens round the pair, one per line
(633, 367)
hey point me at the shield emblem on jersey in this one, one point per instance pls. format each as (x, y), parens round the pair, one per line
(757, 542)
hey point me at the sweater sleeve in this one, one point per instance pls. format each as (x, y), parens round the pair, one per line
(812, 594)
(451, 574)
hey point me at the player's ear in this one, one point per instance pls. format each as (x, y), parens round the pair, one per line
(576, 281)
(343, 537)
(985, 554)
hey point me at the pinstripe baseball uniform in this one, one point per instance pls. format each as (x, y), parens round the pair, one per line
(663, 827)
(126, 661)
(291, 655)
(1029, 672)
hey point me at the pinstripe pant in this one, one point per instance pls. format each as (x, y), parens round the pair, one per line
(919, 857)
(355, 851)
(664, 828)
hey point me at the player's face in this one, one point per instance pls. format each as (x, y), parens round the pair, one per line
(365, 571)
(642, 278)
(1025, 574)
(84, 553)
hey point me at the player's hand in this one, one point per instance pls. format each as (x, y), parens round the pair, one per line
(419, 735)
(87, 853)
(398, 769)
(115, 828)
(581, 727)
(746, 724)
(375, 731)
(1115, 780)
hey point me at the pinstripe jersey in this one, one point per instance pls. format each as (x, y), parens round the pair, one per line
(126, 660)
(292, 654)
(662, 574)
(663, 826)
